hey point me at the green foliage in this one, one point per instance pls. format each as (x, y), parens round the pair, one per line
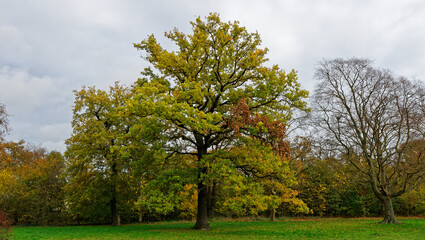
(212, 70)
(102, 180)
(411, 203)
(172, 191)
(254, 179)
(329, 189)
(251, 179)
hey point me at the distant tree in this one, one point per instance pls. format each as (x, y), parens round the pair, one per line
(328, 188)
(371, 117)
(31, 180)
(195, 87)
(99, 171)
(31, 184)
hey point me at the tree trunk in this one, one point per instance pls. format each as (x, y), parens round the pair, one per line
(114, 212)
(388, 211)
(202, 215)
(273, 215)
(211, 200)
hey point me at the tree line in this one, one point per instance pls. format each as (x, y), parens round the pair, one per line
(203, 133)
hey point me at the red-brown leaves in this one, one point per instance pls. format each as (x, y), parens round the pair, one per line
(260, 127)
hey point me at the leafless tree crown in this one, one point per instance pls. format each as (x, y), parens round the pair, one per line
(371, 117)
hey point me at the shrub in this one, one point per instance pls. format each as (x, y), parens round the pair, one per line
(5, 226)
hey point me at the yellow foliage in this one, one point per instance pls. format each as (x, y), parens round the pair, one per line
(188, 201)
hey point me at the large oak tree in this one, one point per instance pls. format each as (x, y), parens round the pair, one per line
(193, 90)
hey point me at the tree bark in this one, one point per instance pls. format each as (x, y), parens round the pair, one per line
(388, 211)
(113, 201)
(114, 212)
(202, 215)
(273, 215)
(211, 200)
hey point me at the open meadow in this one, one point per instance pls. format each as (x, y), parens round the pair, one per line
(312, 228)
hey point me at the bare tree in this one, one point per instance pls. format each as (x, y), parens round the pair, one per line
(373, 119)
(3, 121)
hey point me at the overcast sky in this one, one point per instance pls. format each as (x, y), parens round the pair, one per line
(49, 48)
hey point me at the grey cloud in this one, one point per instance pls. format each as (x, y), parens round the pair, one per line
(39, 109)
(14, 46)
(24, 92)
(49, 48)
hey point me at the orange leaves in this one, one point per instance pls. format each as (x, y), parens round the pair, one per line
(30, 182)
(19, 163)
(241, 116)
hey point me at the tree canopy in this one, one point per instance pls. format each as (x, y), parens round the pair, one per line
(95, 155)
(194, 89)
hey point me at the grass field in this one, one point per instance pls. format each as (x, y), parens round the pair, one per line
(326, 228)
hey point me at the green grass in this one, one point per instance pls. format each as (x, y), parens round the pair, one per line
(326, 228)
